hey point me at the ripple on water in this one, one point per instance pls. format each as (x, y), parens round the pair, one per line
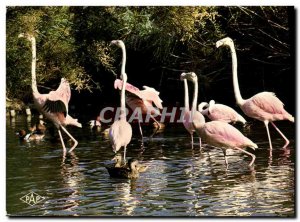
(180, 181)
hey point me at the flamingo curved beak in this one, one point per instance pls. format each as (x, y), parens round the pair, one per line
(113, 42)
(182, 76)
(21, 35)
(219, 43)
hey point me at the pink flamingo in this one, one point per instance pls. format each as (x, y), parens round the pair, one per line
(120, 132)
(220, 112)
(225, 136)
(142, 99)
(53, 105)
(264, 106)
(192, 118)
(221, 134)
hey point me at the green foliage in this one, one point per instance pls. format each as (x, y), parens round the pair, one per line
(56, 50)
(73, 42)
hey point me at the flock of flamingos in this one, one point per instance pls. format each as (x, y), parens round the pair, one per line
(264, 106)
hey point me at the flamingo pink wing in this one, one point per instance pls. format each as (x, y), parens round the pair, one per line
(151, 95)
(62, 93)
(268, 102)
(128, 87)
(222, 112)
(57, 101)
(223, 133)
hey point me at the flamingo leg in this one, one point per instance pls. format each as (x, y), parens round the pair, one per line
(62, 143)
(72, 138)
(269, 137)
(225, 156)
(158, 124)
(141, 132)
(283, 136)
(192, 140)
(250, 154)
(124, 155)
(200, 143)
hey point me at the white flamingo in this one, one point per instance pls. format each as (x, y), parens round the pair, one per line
(120, 132)
(142, 99)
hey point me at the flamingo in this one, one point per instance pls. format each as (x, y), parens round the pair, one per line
(53, 105)
(142, 99)
(220, 134)
(264, 106)
(220, 112)
(120, 132)
(192, 118)
(226, 136)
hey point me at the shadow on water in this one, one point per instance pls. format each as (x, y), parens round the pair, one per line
(180, 181)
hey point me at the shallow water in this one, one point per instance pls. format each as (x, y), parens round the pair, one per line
(180, 181)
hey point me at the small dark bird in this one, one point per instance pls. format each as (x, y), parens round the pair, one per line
(29, 136)
(119, 163)
(38, 128)
(123, 172)
(95, 124)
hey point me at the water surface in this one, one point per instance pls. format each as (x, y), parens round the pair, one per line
(180, 181)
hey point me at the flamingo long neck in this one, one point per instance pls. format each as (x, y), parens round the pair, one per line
(237, 93)
(33, 66)
(123, 110)
(123, 59)
(195, 97)
(186, 96)
(124, 78)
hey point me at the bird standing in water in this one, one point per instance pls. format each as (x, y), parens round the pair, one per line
(264, 106)
(120, 132)
(192, 118)
(220, 134)
(53, 105)
(142, 99)
(220, 112)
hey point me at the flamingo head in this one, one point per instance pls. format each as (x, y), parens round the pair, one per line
(21, 35)
(25, 35)
(118, 43)
(226, 41)
(202, 106)
(191, 76)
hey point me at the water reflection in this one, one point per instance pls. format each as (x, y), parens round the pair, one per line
(128, 202)
(12, 122)
(72, 176)
(180, 181)
(71, 181)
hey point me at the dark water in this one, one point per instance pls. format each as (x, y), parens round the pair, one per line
(179, 181)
